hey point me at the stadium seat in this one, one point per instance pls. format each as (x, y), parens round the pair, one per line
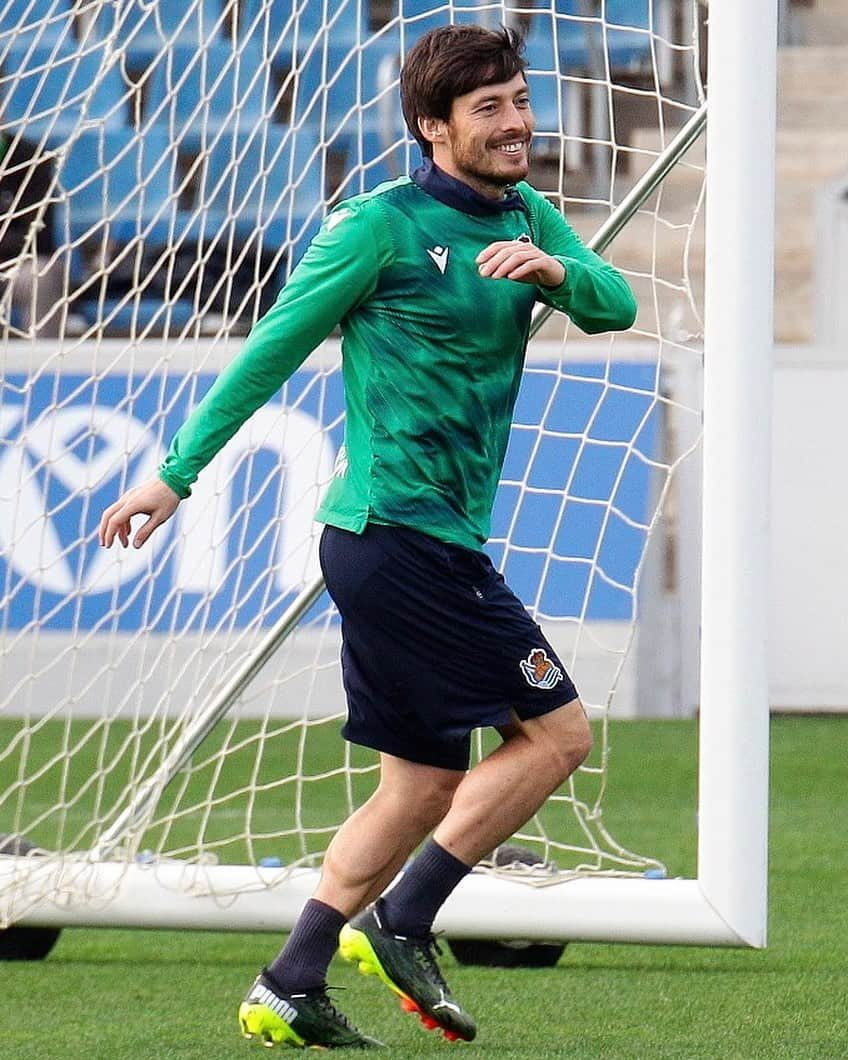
(547, 98)
(635, 13)
(628, 43)
(371, 157)
(420, 16)
(32, 24)
(265, 184)
(117, 184)
(351, 98)
(118, 193)
(52, 85)
(147, 29)
(296, 23)
(199, 94)
(577, 37)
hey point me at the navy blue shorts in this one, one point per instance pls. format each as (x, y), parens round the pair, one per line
(434, 645)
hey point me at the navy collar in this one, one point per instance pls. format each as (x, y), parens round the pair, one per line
(460, 196)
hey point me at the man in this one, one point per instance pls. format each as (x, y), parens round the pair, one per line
(26, 241)
(433, 279)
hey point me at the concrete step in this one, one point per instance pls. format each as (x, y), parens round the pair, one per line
(808, 153)
(828, 7)
(823, 113)
(813, 70)
(644, 244)
(801, 153)
(646, 146)
(794, 303)
(670, 248)
(655, 260)
(822, 27)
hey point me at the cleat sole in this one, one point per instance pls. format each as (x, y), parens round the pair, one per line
(258, 1021)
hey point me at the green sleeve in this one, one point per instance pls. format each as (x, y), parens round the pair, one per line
(594, 294)
(336, 273)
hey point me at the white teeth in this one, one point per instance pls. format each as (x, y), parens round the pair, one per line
(511, 148)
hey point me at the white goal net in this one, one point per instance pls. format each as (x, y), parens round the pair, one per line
(162, 167)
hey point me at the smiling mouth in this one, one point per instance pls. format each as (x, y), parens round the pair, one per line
(513, 149)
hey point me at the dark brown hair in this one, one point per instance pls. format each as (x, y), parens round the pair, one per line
(451, 61)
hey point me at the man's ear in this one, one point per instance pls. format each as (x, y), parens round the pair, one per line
(432, 129)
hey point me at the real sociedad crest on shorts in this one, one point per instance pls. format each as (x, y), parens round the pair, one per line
(539, 670)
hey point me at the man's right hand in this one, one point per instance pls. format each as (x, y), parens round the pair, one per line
(153, 498)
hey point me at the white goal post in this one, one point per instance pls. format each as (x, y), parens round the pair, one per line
(726, 904)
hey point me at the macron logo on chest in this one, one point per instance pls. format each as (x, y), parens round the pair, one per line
(439, 255)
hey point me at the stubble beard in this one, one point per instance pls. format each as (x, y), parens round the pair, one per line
(480, 172)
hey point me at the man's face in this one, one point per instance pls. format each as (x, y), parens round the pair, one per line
(486, 140)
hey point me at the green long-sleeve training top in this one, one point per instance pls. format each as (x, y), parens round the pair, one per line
(432, 353)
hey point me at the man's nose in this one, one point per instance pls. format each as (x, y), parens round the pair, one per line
(517, 119)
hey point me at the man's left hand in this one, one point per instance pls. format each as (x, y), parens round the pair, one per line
(518, 259)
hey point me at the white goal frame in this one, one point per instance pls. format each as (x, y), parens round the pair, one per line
(727, 903)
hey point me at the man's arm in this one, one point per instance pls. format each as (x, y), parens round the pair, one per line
(592, 292)
(338, 271)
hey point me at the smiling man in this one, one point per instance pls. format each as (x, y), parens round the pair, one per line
(433, 279)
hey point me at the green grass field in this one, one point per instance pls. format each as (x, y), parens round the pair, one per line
(155, 995)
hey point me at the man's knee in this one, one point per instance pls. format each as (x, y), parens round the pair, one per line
(577, 745)
(563, 739)
(426, 792)
(433, 797)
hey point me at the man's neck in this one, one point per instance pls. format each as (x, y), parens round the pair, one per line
(462, 196)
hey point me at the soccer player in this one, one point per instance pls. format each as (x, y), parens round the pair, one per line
(433, 279)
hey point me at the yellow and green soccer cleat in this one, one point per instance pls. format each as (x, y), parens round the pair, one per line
(408, 967)
(303, 1021)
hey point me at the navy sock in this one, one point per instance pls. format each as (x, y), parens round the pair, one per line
(410, 907)
(303, 961)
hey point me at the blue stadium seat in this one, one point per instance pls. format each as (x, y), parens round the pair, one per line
(53, 88)
(635, 13)
(624, 45)
(420, 16)
(147, 27)
(197, 94)
(264, 185)
(341, 23)
(340, 92)
(34, 23)
(118, 196)
(628, 43)
(547, 98)
(117, 185)
(286, 27)
(371, 159)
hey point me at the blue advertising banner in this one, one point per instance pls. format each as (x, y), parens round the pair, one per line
(572, 506)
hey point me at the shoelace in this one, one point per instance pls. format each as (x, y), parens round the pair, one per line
(426, 950)
(325, 1003)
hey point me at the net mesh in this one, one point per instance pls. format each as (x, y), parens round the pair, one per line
(163, 167)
